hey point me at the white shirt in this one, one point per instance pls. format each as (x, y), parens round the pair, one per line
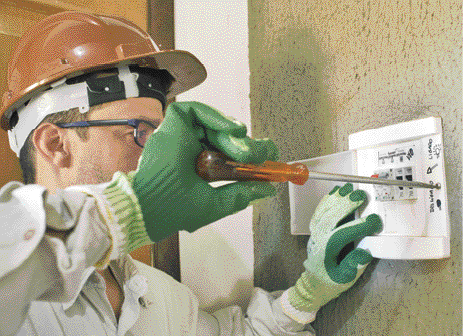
(50, 287)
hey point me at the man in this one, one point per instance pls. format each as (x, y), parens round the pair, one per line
(109, 168)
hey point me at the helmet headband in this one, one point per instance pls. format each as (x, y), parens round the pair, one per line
(86, 91)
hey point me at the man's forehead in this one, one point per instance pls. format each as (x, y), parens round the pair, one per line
(141, 107)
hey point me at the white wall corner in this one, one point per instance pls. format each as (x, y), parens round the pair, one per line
(217, 261)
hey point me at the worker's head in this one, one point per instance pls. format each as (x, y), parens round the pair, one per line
(75, 67)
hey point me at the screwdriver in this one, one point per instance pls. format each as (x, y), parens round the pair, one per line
(213, 166)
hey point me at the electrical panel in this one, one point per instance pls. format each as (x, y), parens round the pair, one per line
(415, 220)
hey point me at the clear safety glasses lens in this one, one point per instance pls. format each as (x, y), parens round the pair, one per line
(143, 132)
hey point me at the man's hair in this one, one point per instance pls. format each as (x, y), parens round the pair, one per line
(27, 154)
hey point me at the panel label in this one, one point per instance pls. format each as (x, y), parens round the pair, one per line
(396, 156)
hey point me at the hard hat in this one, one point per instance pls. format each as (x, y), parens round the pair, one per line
(69, 44)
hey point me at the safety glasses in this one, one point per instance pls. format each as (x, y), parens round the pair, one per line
(142, 128)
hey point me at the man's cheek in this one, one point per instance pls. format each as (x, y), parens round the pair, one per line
(129, 161)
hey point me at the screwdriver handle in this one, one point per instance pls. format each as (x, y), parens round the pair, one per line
(213, 166)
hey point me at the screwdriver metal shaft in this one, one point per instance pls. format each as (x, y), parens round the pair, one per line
(370, 180)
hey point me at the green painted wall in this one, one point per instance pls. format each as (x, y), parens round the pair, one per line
(321, 70)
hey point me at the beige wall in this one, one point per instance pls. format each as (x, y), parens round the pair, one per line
(133, 10)
(321, 70)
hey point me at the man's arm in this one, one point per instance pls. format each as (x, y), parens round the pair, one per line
(323, 280)
(49, 246)
(264, 316)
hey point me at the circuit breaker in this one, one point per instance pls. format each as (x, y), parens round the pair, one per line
(415, 220)
(390, 193)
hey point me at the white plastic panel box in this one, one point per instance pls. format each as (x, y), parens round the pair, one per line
(415, 220)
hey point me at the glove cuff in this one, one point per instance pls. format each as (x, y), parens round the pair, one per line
(297, 315)
(130, 229)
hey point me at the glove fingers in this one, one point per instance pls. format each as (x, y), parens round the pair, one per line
(236, 196)
(357, 258)
(262, 150)
(354, 195)
(336, 188)
(335, 206)
(175, 133)
(344, 190)
(213, 119)
(348, 233)
(355, 230)
(351, 267)
(243, 149)
(225, 133)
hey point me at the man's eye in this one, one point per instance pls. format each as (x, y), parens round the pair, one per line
(126, 133)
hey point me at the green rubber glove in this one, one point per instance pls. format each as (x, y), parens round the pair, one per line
(171, 195)
(324, 279)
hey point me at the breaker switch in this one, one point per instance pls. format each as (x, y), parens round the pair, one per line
(390, 193)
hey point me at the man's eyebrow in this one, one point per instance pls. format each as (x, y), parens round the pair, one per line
(153, 121)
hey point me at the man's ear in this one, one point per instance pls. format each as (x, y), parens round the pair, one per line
(52, 143)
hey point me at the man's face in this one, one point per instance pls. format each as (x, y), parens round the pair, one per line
(111, 148)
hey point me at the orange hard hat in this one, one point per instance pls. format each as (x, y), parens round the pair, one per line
(69, 44)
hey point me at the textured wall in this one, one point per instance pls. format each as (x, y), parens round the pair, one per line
(321, 70)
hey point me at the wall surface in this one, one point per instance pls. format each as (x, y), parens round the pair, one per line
(134, 10)
(321, 70)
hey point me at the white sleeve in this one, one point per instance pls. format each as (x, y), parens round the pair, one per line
(38, 267)
(264, 316)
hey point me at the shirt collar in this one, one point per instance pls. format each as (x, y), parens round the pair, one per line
(86, 274)
(125, 272)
